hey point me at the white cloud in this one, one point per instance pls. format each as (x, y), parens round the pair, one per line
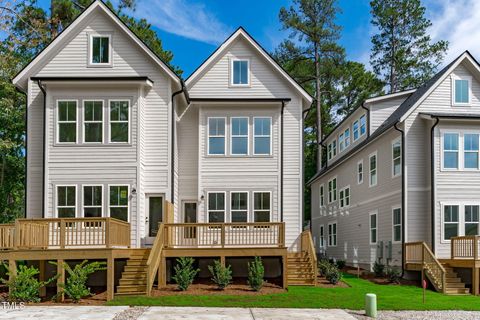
(188, 19)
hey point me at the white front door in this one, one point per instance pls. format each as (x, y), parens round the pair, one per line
(154, 215)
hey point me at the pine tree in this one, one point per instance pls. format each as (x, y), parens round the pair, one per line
(403, 54)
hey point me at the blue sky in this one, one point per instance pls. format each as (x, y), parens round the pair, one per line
(192, 29)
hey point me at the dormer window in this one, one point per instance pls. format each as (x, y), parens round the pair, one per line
(461, 90)
(100, 50)
(240, 72)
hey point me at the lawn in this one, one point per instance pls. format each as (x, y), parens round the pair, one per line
(390, 297)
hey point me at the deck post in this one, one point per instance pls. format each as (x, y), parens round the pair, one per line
(62, 234)
(12, 270)
(41, 277)
(285, 271)
(60, 280)
(475, 281)
(222, 240)
(110, 277)
(107, 233)
(222, 261)
(162, 270)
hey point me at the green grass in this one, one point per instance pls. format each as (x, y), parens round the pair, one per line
(389, 297)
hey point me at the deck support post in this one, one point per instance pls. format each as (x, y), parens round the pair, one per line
(41, 277)
(222, 261)
(475, 281)
(285, 271)
(110, 277)
(12, 270)
(162, 273)
(60, 280)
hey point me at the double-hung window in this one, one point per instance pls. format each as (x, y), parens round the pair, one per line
(332, 234)
(360, 172)
(240, 70)
(363, 125)
(100, 50)
(239, 206)
(118, 202)
(92, 201)
(119, 120)
(470, 150)
(347, 137)
(261, 206)
(344, 197)
(322, 236)
(372, 160)
(471, 220)
(239, 136)
(262, 128)
(216, 207)
(67, 121)
(332, 190)
(396, 158)
(397, 224)
(93, 121)
(373, 227)
(356, 130)
(341, 142)
(66, 201)
(322, 196)
(450, 150)
(332, 149)
(461, 88)
(450, 221)
(216, 136)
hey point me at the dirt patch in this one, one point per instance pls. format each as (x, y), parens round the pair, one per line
(323, 283)
(370, 276)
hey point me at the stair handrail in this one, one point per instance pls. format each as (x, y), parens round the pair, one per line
(433, 262)
(308, 247)
(154, 259)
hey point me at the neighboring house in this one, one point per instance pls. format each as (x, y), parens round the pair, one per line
(405, 168)
(113, 132)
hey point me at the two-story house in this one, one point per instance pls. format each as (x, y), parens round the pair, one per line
(120, 150)
(400, 185)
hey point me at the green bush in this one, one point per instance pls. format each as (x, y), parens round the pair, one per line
(184, 272)
(378, 269)
(256, 272)
(393, 275)
(333, 275)
(340, 264)
(323, 266)
(24, 286)
(221, 275)
(76, 285)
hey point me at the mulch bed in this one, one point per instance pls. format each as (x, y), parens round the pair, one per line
(235, 289)
(366, 275)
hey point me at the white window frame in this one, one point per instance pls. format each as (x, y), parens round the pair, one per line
(343, 197)
(397, 207)
(249, 219)
(357, 122)
(262, 136)
(395, 141)
(462, 104)
(330, 151)
(224, 136)
(57, 120)
(347, 137)
(364, 116)
(119, 121)
(232, 71)
(90, 50)
(341, 142)
(102, 197)
(321, 237)
(370, 229)
(321, 195)
(115, 206)
(461, 148)
(238, 136)
(334, 148)
(331, 236)
(361, 177)
(253, 205)
(463, 216)
(332, 199)
(84, 130)
(56, 199)
(374, 154)
(224, 206)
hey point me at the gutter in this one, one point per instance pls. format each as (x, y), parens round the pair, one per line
(26, 152)
(432, 181)
(39, 83)
(404, 176)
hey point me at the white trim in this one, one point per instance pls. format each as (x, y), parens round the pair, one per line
(262, 136)
(119, 121)
(374, 212)
(332, 243)
(57, 122)
(396, 207)
(249, 219)
(271, 205)
(460, 152)
(394, 141)
(93, 121)
(469, 80)
(360, 181)
(239, 136)
(216, 136)
(90, 63)
(102, 206)
(389, 96)
(224, 206)
(192, 79)
(335, 195)
(241, 85)
(117, 206)
(373, 154)
(56, 199)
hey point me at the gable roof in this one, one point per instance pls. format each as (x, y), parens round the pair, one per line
(241, 32)
(95, 5)
(403, 111)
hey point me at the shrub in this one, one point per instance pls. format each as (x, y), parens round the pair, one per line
(184, 272)
(378, 269)
(333, 275)
(340, 264)
(24, 286)
(76, 285)
(393, 275)
(222, 276)
(256, 273)
(323, 266)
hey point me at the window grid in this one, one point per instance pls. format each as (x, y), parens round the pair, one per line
(363, 125)
(471, 220)
(239, 137)
(451, 150)
(450, 221)
(261, 206)
(118, 205)
(92, 119)
(119, 120)
(397, 224)
(356, 130)
(66, 119)
(470, 150)
(94, 207)
(322, 196)
(239, 206)
(332, 234)
(332, 190)
(216, 133)
(396, 158)
(344, 197)
(373, 170)
(322, 236)
(240, 72)
(216, 207)
(373, 228)
(262, 131)
(360, 172)
(66, 201)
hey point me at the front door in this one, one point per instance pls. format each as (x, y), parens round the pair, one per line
(154, 217)
(190, 216)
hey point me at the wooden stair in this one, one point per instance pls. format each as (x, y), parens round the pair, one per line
(454, 285)
(134, 275)
(300, 270)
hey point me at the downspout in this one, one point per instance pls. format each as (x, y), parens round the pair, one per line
(39, 83)
(304, 115)
(404, 176)
(432, 181)
(281, 161)
(368, 118)
(26, 152)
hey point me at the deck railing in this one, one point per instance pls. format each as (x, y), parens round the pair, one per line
(224, 235)
(60, 233)
(420, 253)
(465, 247)
(308, 247)
(154, 259)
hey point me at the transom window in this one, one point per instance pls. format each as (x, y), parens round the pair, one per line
(93, 121)
(239, 132)
(360, 172)
(345, 197)
(66, 201)
(461, 92)
(216, 207)
(239, 206)
(100, 50)
(262, 135)
(396, 158)
(332, 190)
(332, 234)
(261, 206)
(92, 201)
(373, 228)
(118, 204)
(373, 170)
(216, 136)
(119, 120)
(397, 224)
(67, 121)
(240, 72)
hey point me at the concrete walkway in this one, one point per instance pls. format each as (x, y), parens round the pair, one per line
(168, 313)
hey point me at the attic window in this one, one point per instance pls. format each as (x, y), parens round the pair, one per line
(240, 72)
(461, 90)
(100, 50)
